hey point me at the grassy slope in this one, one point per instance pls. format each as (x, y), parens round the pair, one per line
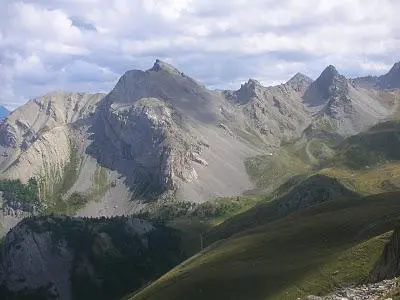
(329, 245)
(269, 172)
(376, 146)
(309, 192)
(383, 178)
(369, 162)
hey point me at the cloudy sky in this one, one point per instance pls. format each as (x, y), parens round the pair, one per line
(85, 45)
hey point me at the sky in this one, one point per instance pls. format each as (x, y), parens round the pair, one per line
(86, 45)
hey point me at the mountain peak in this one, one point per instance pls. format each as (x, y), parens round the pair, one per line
(299, 82)
(252, 82)
(160, 65)
(300, 77)
(392, 79)
(330, 71)
(330, 81)
(395, 68)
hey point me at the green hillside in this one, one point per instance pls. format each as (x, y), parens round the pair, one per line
(376, 146)
(313, 190)
(332, 244)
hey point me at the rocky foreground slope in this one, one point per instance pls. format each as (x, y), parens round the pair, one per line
(69, 258)
(383, 290)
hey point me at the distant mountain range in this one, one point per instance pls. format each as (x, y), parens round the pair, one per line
(159, 133)
(162, 146)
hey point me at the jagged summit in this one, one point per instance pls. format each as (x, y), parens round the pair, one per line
(300, 77)
(390, 80)
(330, 82)
(160, 65)
(248, 90)
(299, 82)
(395, 68)
(328, 75)
(252, 82)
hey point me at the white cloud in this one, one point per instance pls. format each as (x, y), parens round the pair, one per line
(87, 44)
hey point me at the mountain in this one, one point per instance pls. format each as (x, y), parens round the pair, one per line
(74, 258)
(159, 134)
(339, 106)
(390, 80)
(45, 139)
(186, 143)
(4, 112)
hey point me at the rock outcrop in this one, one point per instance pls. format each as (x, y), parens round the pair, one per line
(376, 291)
(69, 258)
(388, 266)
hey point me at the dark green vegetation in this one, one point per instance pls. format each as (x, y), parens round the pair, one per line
(217, 209)
(39, 294)
(311, 252)
(111, 257)
(193, 220)
(77, 201)
(24, 196)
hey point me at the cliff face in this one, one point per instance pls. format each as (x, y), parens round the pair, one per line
(388, 266)
(69, 258)
(151, 145)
